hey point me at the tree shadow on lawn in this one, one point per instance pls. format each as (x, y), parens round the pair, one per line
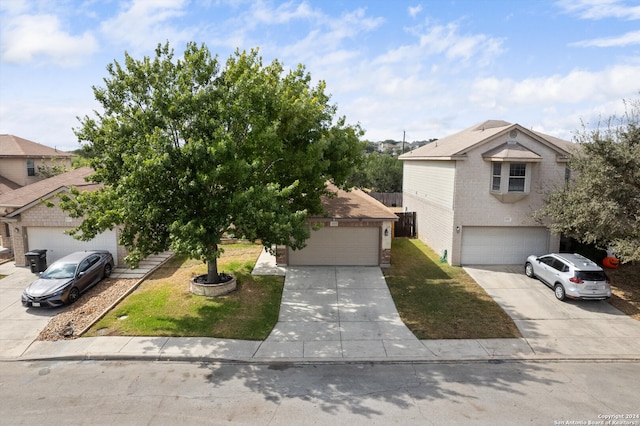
(245, 313)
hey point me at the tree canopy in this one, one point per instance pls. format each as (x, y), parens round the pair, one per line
(380, 172)
(601, 203)
(188, 150)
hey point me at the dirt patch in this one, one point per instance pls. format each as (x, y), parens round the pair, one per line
(625, 286)
(74, 318)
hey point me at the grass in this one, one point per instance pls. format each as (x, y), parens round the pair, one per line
(163, 305)
(435, 300)
(438, 301)
(625, 288)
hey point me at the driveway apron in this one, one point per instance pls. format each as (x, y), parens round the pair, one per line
(338, 312)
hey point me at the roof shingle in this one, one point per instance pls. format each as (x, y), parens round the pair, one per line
(458, 144)
(355, 204)
(27, 194)
(13, 146)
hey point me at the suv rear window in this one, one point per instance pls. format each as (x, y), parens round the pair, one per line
(591, 275)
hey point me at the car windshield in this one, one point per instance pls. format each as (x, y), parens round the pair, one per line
(59, 271)
(591, 275)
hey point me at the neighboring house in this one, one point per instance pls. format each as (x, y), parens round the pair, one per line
(474, 192)
(21, 161)
(356, 231)
(26, 223)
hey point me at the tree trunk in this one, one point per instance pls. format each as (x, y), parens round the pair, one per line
(212, 269)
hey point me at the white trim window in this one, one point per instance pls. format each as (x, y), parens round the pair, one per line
(510, 177)
(31, 168)
(517, 177)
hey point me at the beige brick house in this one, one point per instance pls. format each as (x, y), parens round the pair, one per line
(28, 224)
(21, 161)
(356, 231)
(474, 192)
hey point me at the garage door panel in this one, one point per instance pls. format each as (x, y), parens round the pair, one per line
(502, 245)
(339, 246)
(58, 244)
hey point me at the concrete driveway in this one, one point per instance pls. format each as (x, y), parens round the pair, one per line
(339, 312)
(19, 326)
(552, 326)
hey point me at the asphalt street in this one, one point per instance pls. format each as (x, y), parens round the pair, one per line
(171, 393)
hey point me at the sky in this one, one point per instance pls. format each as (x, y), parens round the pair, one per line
(417, 69)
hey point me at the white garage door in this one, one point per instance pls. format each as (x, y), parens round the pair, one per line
(502, 245)
(339, 246)
(58, 244)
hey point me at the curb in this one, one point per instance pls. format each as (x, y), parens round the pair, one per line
(335, 361)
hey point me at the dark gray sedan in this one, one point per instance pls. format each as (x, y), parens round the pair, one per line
(67, 278)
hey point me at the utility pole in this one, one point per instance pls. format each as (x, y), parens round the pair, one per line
(403, 135)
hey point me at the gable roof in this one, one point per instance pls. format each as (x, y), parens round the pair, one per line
(457, 145)
(511, 151)
(355, 205)
(25, 196)
(14, 147)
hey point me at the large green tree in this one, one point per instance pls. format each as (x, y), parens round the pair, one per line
(601, 203)
(188, 150)
(380, 172)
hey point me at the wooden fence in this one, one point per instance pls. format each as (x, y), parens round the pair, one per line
(389, 199)
(406, 225)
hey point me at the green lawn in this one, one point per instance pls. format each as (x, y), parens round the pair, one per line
(163, 305)
(438, 301)
(435, 300)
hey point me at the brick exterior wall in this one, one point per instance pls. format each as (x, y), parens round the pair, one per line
(473, 203)
(15, 169)
(42, 216)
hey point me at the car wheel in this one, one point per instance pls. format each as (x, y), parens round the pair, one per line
(74, 294)
(107, 271)
(528, 270)
(559, 291)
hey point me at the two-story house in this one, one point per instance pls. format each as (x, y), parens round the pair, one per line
(23, 162)
(474, 192)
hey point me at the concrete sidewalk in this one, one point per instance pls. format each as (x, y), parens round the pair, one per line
(327, 315)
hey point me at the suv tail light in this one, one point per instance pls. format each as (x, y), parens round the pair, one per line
(576, 280)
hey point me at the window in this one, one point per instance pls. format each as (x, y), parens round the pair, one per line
(510, 181)
(495, 178)
(31, 168)
(510, 178)
(560, 266)
(517, 177)
(547, 260)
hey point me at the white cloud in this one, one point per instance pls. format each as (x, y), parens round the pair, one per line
(26, 38)
(630, 38)
(577, 86)
(600, 9)
(446, 40)
(282, 14)
(414, 10)
(142, 24)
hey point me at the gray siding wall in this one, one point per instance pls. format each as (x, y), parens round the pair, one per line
(429, 191)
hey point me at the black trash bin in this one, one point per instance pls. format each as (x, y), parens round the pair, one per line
(37, 260)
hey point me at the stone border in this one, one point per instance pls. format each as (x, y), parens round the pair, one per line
(212, 290)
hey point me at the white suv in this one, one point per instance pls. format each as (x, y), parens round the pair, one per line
(569, 275)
